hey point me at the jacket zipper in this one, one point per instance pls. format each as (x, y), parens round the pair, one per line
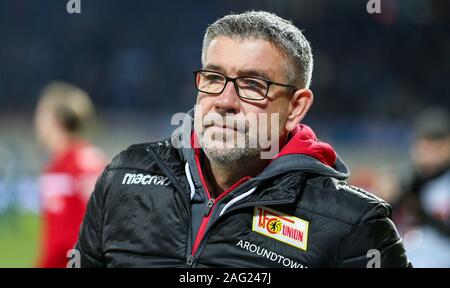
(203, 225)
(210, 208)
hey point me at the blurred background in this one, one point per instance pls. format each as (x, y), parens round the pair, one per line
(374, 74)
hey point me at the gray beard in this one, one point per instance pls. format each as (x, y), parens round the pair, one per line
(231, 156)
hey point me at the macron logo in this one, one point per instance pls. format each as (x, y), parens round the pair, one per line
(142, 179)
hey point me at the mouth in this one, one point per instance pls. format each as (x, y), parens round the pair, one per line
(224, 124)
(224, 127)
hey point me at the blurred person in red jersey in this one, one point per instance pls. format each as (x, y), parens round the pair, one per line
(62, 114)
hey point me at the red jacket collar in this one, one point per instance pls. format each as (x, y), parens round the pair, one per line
(304, 141)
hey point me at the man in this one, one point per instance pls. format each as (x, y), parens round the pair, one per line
(62, 113)
(224, 202)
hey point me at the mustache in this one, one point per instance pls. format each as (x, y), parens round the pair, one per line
(228, 120)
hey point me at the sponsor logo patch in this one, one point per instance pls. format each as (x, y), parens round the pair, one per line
(279, 226)
(142, 179)
(270, 255)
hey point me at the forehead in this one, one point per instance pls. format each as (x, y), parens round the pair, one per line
(238, 56)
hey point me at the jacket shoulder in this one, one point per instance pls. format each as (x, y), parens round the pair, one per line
(142, 155)
(337, 199)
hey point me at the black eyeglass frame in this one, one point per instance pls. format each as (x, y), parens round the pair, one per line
(233, 80)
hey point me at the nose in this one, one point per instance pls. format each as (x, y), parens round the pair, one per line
(228, 101)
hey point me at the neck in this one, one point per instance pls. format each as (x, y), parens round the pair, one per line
(220, 177)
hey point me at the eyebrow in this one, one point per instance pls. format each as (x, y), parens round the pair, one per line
(245, 72)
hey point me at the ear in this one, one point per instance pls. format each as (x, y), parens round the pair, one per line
(298, 107)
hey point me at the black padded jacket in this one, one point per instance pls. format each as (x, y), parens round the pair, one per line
(150, 208)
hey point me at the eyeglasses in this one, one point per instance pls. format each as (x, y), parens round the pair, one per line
(251, 88)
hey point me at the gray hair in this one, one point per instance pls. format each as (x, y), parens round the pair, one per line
(270, 27)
